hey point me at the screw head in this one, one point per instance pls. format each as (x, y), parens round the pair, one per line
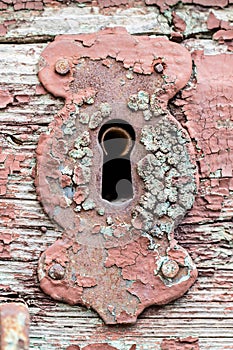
(57, 272)
(170, 268)
(159, 68)
(62, 66)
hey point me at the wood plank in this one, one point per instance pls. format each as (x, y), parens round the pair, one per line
(206, 311)
(31, 26)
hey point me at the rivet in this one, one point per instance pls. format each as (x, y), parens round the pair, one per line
(170, 268)
(62, 66)
(57, 272)
(159, 68)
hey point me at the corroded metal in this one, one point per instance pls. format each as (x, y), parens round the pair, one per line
(57, 272)
(115, 255)
(62, 66)
(14, 326)
(170, 268)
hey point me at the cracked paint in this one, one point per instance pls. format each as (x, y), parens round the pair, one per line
(166, 4)
(189, 343)
(223, 30)
(39, 5)
(209, 124)
(9, 164)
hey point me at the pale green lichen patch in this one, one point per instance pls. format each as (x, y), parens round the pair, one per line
(104, 111)
(106, 231)
(147, 114)
(95, 120)
(89, 204)
(90, 100)
(78, 208)
(83, 140)
(69, 126)
(155, 106)
(129, 75)
(109, 220)
(84, 118)
(81, 173)
(101, 211)
(168, 175)
(80, 147)
(139, 101)
(65, 170)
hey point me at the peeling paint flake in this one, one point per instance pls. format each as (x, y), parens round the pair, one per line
(5, 98)
(189, 343)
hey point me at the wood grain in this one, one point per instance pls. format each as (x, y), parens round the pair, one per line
(206, 311)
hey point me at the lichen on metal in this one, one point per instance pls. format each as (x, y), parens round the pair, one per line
(14, 326)
(117, 257)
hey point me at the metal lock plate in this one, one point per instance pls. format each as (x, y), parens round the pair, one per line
(116, 172)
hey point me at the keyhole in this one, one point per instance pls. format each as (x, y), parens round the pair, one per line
(117, 139)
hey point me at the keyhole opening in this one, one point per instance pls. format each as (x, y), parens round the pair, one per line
(117, 139)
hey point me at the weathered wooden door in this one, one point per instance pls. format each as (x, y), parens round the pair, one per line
(202, 106)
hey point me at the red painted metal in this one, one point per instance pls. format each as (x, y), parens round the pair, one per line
(117, 258)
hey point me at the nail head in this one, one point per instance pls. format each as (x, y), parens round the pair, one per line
(57, 272)
(170, 268)
(62, 66)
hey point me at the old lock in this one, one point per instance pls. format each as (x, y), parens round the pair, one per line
(116, 171)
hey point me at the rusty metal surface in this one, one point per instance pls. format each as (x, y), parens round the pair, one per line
(117, 258)
(14, 326)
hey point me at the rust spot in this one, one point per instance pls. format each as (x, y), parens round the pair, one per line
(14, 326)
(114, 252)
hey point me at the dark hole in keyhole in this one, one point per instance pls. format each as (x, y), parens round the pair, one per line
(117, 139)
